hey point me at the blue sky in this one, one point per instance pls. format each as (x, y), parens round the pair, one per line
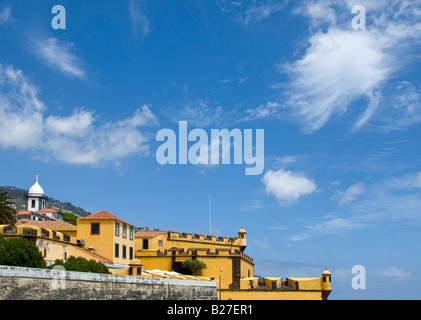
(340, 107)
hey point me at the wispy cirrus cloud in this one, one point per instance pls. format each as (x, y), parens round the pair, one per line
(6, 15)
(198, 113)
(395, 200)
(260, 11)
(140, 23)
(351, 193)
(340, 66)
(59, 55)
(76, 139)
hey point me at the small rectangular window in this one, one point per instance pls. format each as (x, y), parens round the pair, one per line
(124, 252)
(124, 231)
(116, 250)
(117, 229)
(94, 228)
(160, 243)
(131, 233)
(131, 253)
(145, 244)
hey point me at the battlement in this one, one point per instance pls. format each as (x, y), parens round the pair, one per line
(29, 230)
(200, 238)
(199, 252)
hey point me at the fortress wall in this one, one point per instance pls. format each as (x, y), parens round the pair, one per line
(17, 283)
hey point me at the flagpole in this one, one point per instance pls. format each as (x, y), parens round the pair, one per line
(210, 216)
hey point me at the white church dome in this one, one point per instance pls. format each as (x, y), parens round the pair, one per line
(36, 189)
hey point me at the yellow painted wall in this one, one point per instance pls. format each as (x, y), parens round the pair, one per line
(270, 295)
(104, 243)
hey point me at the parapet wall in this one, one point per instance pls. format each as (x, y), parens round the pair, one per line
(18, 283)
(188, 252)
(200, 238)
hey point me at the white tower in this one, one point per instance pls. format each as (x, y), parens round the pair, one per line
(36, 200)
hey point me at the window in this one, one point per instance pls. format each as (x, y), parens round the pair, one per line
(124, 252)
(95, 228)
(131, 233)
(124, 231)
(117, 229)
(160, 243)
(145, 244)
(33, 204)
(131, 253)
(116, 250)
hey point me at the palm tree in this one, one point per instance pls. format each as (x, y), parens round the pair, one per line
(7, 209)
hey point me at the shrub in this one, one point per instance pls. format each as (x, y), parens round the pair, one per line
(20, 252)
(194, 265)
(82, 265)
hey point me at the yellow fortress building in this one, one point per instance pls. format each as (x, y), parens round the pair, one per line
(129, 251)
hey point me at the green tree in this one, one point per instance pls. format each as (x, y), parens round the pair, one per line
(82, 265)
(7, 210)
(20, 252)
(70, 218)
(194, 265)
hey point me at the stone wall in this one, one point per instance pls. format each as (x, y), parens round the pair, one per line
(18, 283)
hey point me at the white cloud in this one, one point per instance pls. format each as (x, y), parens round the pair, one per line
(58, 55)
(20, 110)
(198, 113)
(330, 226)
(76, 139)
(287, 186)
(394, 273)
(139, 21)
(6, 15)
(262, 244)
(351, 193)
(258, 12)
(341, 66)
(395, 201)
(262, 111)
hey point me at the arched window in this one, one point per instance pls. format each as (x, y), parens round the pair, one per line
(33, 204)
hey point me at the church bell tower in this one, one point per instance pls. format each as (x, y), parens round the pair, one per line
(36, 200)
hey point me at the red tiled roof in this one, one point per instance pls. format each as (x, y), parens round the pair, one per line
(47, 224)
(24, 212)
(94, 255)
(149, 233)
(103, 215)
(48, 211)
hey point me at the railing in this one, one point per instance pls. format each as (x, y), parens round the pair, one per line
(45, 233)
(29, 231)
(9, 229)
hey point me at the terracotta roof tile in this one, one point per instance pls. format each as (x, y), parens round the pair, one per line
(103, 215)
(48, 211)
(47, 224)
(149, 233)
(94, 254)
(24, 212)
